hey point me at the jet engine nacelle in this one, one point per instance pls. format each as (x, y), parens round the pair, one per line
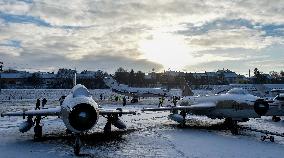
(119, 124)
(26, 126)
(176, 117)
(261, 107)
(79, 110)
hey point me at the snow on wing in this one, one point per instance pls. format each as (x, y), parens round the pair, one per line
(42, 112)
(200, 106)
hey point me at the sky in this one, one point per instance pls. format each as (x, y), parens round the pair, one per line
(180, 35)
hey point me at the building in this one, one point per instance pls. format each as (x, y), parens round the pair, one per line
(88, 74)
(48, 78)
(13, 79)
(228, 75)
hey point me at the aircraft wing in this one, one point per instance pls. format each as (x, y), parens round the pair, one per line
(193, 107)
(42, 112)
(103, 111)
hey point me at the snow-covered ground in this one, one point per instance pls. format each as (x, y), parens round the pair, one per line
(149, 134)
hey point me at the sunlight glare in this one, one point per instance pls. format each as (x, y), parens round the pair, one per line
(166, 49)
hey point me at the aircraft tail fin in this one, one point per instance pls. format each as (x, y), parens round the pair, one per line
(111, 82)
(186, 90)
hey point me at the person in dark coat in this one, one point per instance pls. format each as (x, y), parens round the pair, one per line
(175, 100)
(61, 99)
(37, 104)
(124, 101)
(160, 102)
(44, 101)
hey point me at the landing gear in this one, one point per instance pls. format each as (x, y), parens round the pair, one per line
(276, 119)
(134, 99)
(107, 128)
(232, 125)
(110, 120)
(77, 145)
(67, 131)
(234, 130)
(37, 128)
(183, 114)
(264, 137)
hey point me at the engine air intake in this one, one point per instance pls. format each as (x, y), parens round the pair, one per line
(83, 117)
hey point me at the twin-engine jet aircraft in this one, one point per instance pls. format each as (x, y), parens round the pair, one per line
(235, 106)
(79, 112)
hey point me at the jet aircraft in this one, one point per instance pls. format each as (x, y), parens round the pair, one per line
(235, 106)
(134, 91)
(79, 112)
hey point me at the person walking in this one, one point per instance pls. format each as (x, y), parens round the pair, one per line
(160, 102)
(124, 101)
(61, 99)
(37, 104)
(44, 101)
(175, 100)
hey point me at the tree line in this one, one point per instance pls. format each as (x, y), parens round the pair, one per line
(64, 79)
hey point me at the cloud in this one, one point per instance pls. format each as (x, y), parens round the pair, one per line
(232, 38)
(87, 48)
(14, 7)
(265, 11)
(11, 51)
(214, 32)
(35, 62)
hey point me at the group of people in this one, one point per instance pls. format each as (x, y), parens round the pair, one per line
(43, 103)
(174, 100)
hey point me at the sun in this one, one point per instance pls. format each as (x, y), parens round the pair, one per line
(166, 49)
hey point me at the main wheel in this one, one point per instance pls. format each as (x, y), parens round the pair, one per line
(235, 130)
(38, 132)
(276, 119)
(271, 138)
(263, 138)
(228, 122)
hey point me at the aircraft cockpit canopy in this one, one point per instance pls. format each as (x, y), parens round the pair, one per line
(238, 91)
